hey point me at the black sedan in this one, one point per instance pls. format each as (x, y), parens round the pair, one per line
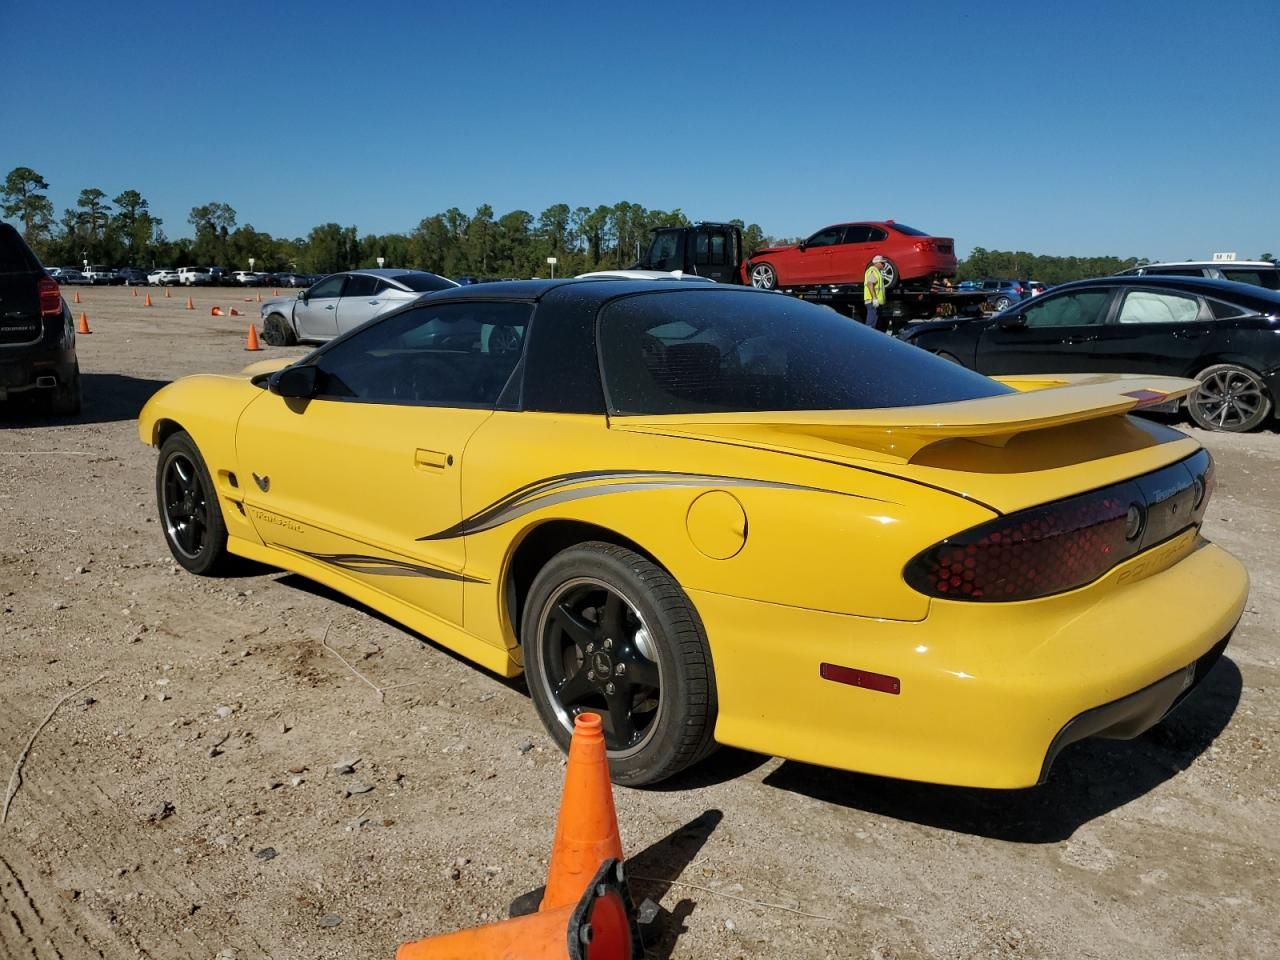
(1226, 335)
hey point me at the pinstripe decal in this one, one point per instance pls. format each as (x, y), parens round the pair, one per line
(384, 567)
(567, 487)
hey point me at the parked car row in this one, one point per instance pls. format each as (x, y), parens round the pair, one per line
(183, 276)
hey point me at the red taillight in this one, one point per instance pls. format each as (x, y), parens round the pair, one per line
(1064, 545)
(925, 246)
(50, 297)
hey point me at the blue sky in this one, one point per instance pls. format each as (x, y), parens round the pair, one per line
(1070, 128)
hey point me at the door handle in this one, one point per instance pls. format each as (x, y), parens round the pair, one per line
(432, 459)
(329, 307)
(1189, 334)
(1080, 339)
(374, 303)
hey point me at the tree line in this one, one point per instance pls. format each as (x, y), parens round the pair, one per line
(122, 231)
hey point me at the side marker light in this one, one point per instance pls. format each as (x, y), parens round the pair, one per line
(860, 678)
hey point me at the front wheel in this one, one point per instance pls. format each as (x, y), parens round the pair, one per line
(189, 511)
(763, 276)
(608, 631)
(1231, 398)
(1002, 303)
(277, 332)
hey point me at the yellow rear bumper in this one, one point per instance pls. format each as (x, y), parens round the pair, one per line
(985, 687)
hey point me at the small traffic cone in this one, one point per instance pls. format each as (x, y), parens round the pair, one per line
(251, 343)
(84, 323)
(147, 302)
(190, 305)
(259, 297)
(77, 299)
(215, 312)
(166, 293)
(236, 313)
(587, 831)
(600, 925)
(135, 290)
(275, 293)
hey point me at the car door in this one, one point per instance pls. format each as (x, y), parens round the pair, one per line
(1054, 333)
(849, 260)
(715, 254)
(315, 315)
(363, 298)
(812, 263)
(1154, 331)
(360, 476)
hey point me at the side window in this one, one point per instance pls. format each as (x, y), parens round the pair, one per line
(857, 234)
(1244, 276)
(825, 238)
(876, 235)
(1227, 311)
(701, 249)
(1068, 309)
(719, 246)
(452, 355)
(1142, 306)
(328, 287)
(360, 285)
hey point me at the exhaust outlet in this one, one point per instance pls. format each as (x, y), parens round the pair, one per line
(46, 382)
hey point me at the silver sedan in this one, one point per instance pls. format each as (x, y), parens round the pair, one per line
(341, 302)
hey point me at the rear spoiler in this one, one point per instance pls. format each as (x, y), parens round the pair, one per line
(1042, 402)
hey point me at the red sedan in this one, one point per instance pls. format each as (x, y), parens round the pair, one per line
(840, 254)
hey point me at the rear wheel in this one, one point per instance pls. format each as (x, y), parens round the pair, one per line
(949, 357)
(189, 511)
(1002, 303)
(277, 332)
(763, 276)
(65, 401)
(608, 631)
(1231, 398)
(889, 271)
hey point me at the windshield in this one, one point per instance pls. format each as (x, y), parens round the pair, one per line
(909, 231)
(423, 282)
(712, 351)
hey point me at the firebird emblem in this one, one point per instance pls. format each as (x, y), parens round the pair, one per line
(264, 483)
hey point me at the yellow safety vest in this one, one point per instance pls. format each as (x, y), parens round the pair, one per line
(873, 286)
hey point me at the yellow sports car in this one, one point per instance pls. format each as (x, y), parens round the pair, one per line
(721, 515)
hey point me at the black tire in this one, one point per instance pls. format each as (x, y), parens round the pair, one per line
(949, 357)
(189, 512)
(889, 271)
(763, 276)
(1231, 399)
(276, 331)
(645, 667)
(65, 399)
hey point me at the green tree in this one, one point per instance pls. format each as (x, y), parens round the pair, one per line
(214, 223)
(331, 248)
(133, 226)
(23, 199)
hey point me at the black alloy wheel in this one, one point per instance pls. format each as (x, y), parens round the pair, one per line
(1231, 399)
(609, 632)
(189, 511)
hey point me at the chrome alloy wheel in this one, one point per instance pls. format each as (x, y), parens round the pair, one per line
(1229, 398)
(598, 656)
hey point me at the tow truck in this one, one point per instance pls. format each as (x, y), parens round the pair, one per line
(715, 250)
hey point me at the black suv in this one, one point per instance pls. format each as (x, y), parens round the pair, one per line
(37, 339)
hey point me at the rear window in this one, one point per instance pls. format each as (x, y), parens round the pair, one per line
(1268, 279)
(422, 282)
(685, 352)
(909, 231)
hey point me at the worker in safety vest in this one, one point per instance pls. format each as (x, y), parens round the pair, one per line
(873, 290)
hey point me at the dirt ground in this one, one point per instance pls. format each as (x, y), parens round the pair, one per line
(186, 805)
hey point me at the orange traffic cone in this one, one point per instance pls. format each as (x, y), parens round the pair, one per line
(84, 323)
(166, 293)
(252, 342)
(600, 925)
(275, 293)
(259, 297)
(236, 313)
(587, 831)
(147, 302)
(135, 291)
(215, 312)
(77, 299)
(190, 305)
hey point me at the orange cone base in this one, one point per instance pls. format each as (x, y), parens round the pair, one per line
(600, 926)
(252, 342)
(587, 831)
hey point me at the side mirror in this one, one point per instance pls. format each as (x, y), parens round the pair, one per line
(302, 295)
(297, 381)
(801, 245)
(1014, 321)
